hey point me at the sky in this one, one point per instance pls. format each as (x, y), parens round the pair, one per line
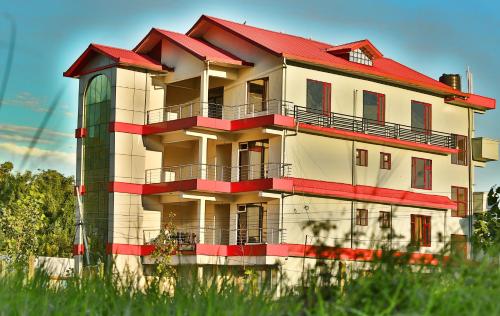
(433, 37)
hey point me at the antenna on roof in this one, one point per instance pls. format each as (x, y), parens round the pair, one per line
(470, 82)
(245, 22)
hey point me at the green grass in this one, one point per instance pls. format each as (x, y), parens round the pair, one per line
(388, 289)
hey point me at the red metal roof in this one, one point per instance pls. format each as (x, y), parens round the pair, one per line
(198, 47)
(315, 52)
(118, 55)
(475, 101)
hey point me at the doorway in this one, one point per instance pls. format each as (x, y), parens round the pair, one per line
(215, 102)
(252, 159)
(251, 224)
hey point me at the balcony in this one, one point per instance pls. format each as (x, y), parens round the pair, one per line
(304, 115)
(219, 111)
(186, 238)
(217, 172)
(375, 128)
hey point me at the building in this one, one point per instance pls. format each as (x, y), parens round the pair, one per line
(246, 134)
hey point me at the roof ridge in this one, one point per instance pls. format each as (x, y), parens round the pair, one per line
(267, 30)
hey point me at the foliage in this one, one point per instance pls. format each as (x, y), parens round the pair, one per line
(164, 246)
(487, 224)
(36, 213)
(390, 288)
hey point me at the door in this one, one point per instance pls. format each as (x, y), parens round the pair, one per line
(250, 224)
(252, 160)
(215, 102)
(257, 95)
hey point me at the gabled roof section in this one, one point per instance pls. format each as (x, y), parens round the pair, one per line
(119, 56)
(317, 53)
(199, 48)
(365, 45)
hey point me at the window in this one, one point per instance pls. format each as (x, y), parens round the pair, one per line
(257, 95)
(384, 219)
(421, 173)
(361, 217)
(374, 107)
(318, 96)
(421, 116)
(360, 57)
(96, 150)
(459, 246)
(361, 157)
(385, 161)
(460, 158)
(459, 195)
(420, 230)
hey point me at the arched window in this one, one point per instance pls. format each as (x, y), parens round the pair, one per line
(97, 104)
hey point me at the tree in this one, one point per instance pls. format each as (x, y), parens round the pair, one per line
(487, 224)
(21, 218)
(36, 213)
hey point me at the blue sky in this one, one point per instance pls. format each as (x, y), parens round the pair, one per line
(430, 36)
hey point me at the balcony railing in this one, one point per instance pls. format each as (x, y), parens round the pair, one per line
(376, 128)
(219, 236)
(217, 172)
(220, 111)
(307, 116)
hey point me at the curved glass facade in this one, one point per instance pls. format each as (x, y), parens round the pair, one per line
(97, 104)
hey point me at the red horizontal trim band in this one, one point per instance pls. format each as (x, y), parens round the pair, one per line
(294, 185)
(278, 250)
(80, 188)
(268, 120)
(80, 132)
(78, 249)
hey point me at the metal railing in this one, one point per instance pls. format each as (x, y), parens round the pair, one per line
(304, 115)
(217, 172)
(220, 111)
(371, 127)
(219, 236)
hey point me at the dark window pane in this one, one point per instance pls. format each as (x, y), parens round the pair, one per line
(370, 106)
(315, 96)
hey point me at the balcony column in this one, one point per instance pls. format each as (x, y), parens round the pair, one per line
(200, 234)
(204, 82)
(202, 151)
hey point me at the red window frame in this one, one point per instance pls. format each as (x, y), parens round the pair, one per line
(460, 158)
(427, 115)
(462, 204)
(380, 105)
(361, 217)
(385, 161)
(421, 236)
(362, 157)
(384, 219)
(327, 96)
(427, 173)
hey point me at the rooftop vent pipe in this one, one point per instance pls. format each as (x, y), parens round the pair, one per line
(452, 80)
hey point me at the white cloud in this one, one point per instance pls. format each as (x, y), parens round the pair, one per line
(30, 131)
(37, 153)
(27, 100)
(23, 139)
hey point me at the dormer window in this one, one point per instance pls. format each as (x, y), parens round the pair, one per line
(358, 56)
(360, 52)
